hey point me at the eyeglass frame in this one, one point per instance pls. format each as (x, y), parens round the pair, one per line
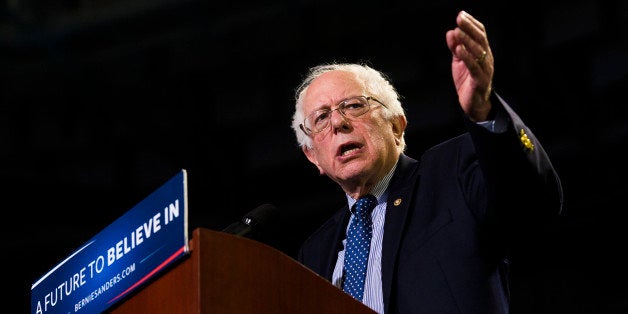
(340, 107)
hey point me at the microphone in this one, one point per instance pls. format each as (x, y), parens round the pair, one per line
(254, 223)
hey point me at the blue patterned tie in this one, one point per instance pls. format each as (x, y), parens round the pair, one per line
(358, 246)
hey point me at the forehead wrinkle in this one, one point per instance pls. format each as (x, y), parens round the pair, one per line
(333, 87)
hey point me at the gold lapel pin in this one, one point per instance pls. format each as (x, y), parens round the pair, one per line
(525, 140)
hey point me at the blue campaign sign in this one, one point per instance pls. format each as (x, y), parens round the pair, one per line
(133, 249)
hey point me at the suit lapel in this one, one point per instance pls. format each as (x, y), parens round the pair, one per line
(396, 213)
(427, 218)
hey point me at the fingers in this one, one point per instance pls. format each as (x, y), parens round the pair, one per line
(474, 29)
(469, 41)
(472, 62)
(465, 18)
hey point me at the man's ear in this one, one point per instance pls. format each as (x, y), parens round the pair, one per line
(311, 156)
(399, 124)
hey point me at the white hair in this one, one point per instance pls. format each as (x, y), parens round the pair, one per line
(375, 83)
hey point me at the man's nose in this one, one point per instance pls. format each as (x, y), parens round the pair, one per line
(338, 120)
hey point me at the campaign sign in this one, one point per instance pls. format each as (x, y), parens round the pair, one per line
(122, 257)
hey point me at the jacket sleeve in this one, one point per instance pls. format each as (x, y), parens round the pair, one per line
(524, 190)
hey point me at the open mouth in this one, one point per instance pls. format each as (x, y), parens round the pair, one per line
(348, 149)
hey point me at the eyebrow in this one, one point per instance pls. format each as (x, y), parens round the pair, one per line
(337, 102)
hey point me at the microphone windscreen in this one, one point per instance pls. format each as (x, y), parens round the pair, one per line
(263, 215)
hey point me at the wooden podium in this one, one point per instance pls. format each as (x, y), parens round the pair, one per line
(225, 273)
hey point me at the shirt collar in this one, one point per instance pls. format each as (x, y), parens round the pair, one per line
(379, 188)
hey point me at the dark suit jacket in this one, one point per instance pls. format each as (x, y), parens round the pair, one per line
(453, 221)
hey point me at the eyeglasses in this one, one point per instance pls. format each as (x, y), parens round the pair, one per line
(319, 120)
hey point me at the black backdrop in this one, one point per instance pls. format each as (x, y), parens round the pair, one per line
(102, 102)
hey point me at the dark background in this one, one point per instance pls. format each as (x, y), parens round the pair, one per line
(103, 101)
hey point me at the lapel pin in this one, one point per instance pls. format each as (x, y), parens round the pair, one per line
(525, 140)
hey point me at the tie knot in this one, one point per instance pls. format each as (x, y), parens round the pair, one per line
(364, 205)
